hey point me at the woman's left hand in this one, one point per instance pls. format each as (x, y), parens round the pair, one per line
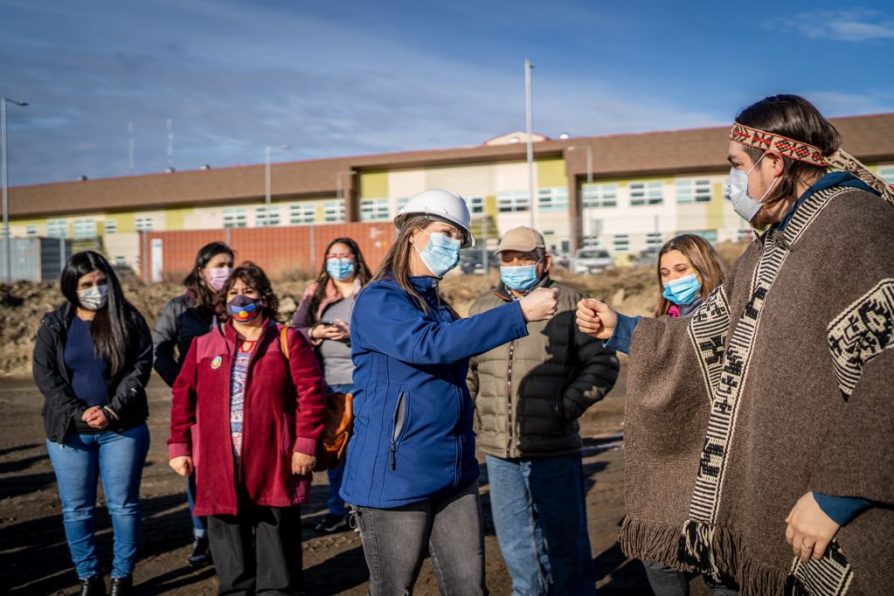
(809, 530)
(303, 463)
(95, 417)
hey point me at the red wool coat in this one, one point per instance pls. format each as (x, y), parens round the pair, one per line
(283, 413)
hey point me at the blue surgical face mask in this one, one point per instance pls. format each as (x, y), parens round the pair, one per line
(682, 291)
(743, 204)
(442, 253)
(340, 269)
(521, 279)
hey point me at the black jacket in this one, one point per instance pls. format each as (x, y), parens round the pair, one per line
(178, 324)
(62, 409)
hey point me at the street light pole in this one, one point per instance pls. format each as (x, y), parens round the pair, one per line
(529, 129)
(267, 198)
(7, 245)
(574, 228)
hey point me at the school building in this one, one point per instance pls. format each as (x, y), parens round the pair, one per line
(622, 192)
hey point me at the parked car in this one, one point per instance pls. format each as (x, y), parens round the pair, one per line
(592, 260)
(648, 256)
(471, 262)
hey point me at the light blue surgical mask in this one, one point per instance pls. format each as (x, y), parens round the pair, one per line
(682, 291)
(340, 269)
(521, 279)
(743, 204)
(442, 253)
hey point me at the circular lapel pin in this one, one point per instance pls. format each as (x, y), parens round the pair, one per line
(216, 362)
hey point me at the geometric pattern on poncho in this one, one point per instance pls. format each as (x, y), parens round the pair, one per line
(829, 576)
(726, 387)
(861, 332)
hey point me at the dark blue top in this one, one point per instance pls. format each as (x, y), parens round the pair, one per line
(413, 436)
(89, 373)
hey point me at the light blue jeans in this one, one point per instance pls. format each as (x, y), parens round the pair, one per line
(540, 517)
(117, 458)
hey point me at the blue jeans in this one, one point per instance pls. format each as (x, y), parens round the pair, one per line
(334, 503)
(540, 517)
(199, 523)
(117, 458)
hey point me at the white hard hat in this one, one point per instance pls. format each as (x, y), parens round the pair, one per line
(442, 204)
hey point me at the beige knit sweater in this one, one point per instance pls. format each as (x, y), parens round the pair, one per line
(781, 383)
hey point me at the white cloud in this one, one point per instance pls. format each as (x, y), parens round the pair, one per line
(859, 25)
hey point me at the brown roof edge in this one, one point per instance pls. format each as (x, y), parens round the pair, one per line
(870, 138)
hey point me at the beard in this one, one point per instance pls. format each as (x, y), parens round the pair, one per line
(771, 213)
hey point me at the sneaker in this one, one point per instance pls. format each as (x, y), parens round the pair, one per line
(199, 555)
(331, 523)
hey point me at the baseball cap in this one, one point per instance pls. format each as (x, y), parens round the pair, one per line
(521, 239)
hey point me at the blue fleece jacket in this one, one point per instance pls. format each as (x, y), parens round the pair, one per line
(413, 436)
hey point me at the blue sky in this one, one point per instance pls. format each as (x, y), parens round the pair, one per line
(350, 77)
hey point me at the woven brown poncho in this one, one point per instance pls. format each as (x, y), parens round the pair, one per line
(782, 383)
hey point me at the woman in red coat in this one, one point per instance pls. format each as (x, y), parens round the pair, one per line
(260, 416)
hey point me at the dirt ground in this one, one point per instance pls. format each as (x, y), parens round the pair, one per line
(35, 557)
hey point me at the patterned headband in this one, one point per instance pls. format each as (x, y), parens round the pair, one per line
(840, 160)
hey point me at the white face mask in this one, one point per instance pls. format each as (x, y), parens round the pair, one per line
(94, 298)
(743, 204)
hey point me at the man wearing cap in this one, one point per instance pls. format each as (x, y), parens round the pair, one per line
(759, 434)
(529, 395)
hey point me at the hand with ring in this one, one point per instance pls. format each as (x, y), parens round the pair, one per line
(809, 530)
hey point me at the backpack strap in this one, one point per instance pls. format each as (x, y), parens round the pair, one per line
(284, 341)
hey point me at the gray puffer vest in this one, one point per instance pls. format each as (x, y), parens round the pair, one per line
(530, 392)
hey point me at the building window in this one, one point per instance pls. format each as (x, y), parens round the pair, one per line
(509, 202)
(653, 239)
(646, 193)
(110, 226)
(476, 205)
(31, 230)
(887, 172)
(745, 234)
(302, 213)
(143, 224)
(552, 199)
(402, 202)
(600, 195)
(621, 243)
(234, 217)
(334, 211)
(57, 228)
(590, 241)
(267, 216)
(694, 190)
(374, 210)
(84, 228)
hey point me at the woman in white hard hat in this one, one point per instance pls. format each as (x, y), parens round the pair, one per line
(411, 473)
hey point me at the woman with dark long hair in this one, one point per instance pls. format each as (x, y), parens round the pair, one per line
(181, 320)
(323, 317)
(246, 419)
(92, 361)
(411, 473)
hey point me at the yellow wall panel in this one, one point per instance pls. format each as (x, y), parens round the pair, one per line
(551, 173)
(373, 185)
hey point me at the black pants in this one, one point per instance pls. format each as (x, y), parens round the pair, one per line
(257, 551)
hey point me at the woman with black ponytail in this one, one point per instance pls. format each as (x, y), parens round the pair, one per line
(92, 361)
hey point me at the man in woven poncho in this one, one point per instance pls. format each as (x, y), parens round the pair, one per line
(759, 432)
